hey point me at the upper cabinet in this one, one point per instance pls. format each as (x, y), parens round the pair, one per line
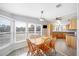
(72, 24)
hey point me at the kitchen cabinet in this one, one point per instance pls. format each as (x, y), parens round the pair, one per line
(71, 41)
(59, 35)
(73, 23)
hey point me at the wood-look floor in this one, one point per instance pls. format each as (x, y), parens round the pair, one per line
(61, 50)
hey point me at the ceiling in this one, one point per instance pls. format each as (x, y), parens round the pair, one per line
(34, 9)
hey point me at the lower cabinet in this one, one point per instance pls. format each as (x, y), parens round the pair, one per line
(71, 41)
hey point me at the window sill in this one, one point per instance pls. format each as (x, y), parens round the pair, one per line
(20, 41)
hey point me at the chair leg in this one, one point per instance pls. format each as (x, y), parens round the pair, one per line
(55, 52)
(28, 53)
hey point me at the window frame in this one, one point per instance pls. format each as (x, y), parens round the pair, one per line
(24, 31)
(28, 29)
(41, 28)
(11, 31)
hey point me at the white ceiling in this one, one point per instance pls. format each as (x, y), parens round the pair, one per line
(34, 9)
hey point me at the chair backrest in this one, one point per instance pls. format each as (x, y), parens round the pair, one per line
(50, 42)
(34, 49)
(31, 46)
(45, 48)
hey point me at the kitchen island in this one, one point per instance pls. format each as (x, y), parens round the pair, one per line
(70, 37)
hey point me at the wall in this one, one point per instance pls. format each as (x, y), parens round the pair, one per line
(78, 30)
(26, 19)
(12, 45)
(5, 50)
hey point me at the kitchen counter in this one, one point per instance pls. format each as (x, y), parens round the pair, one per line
(62, 34)
(69, 32)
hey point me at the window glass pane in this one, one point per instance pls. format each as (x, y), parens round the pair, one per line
(38, 29)
(4, 31)
(31, 28)
(20, 30)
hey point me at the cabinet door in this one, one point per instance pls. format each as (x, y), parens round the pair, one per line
(73, 23)
(68, 40)
(73, 42)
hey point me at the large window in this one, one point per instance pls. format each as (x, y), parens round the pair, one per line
(38, 29)
(34, 29)
(20, 30)
(31, 29)
(5, 33)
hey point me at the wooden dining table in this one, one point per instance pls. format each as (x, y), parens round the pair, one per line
(40, 43)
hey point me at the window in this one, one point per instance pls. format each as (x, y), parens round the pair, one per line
(38, 29)
(59, 26)
(20, 30)
(5, 33)
(31, 29)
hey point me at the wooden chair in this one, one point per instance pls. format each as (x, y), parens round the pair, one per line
(33, 49)
(48, 46)
(50, 42)
(45, 47)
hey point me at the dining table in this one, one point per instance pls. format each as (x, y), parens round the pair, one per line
(40, 43)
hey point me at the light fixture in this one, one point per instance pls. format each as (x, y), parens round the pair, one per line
(58, 5)
(58, 20)
(42, 18)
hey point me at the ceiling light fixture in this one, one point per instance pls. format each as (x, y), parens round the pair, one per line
(58, 5)
(58, 19)
(42, 18)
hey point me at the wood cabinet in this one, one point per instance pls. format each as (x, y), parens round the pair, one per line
(59, 35)
(72, 24)
(67, 27)
(71, 41)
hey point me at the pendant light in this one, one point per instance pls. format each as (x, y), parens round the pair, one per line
(42, 18)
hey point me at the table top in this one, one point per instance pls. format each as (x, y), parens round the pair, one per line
(38, 41)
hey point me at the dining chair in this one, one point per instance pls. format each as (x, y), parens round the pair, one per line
(31, 47)
(34, 50)
(48, 46)
(46, 49)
